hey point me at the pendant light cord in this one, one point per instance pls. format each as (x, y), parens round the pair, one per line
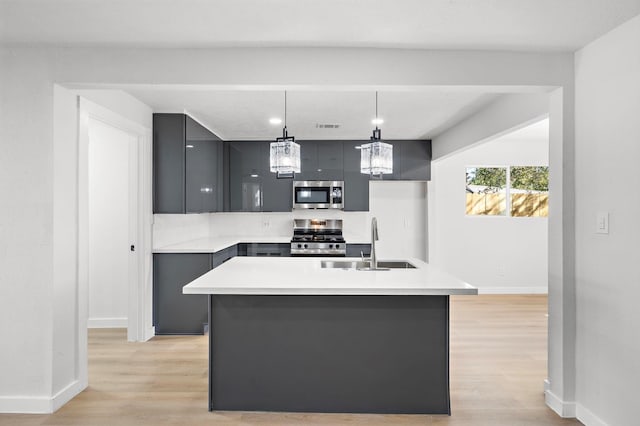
(376, 109)
(284, 131)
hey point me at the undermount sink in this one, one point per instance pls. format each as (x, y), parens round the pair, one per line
(395, 264)
(344, 264)
(383, 265)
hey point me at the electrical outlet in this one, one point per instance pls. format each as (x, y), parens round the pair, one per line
(501, 270)
(265, 223)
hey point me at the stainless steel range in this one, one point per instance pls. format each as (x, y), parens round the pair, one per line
(318, 237)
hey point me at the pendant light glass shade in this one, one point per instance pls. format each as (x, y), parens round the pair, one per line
(284, 156)
(376, 158)
(284, 153)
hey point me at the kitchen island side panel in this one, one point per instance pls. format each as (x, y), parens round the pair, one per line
(355, 354)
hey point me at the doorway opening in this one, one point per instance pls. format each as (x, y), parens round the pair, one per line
(112, 184)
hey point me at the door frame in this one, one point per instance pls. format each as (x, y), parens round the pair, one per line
(139, 326)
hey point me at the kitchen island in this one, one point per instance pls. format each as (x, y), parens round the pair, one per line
(286, 334)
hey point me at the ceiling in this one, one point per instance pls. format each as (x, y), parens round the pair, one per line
(538, 131)
(525, 25)
(244, 115)
(522, 25)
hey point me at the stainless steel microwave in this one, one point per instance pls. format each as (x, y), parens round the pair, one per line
(318, 194)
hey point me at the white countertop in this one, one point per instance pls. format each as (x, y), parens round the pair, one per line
(304, 276)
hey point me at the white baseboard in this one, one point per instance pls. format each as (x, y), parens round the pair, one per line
(40, 404)
(107, 323)
(513, 290)
(25, 404)
(562, 408)
(149, 333)
(66, 394)
(587, 417)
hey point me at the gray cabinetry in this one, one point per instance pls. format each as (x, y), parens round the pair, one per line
(264, 249)
(174, 312)
(356, 250)
(168, 163)
(187, 166)
(321, 160)
(356, 184)
(411, 160)
(204, 171)
(251, 185)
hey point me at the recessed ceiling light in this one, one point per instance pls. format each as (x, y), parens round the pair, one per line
(275, 121)
(377, 121)
(189, 146)
(254, 175)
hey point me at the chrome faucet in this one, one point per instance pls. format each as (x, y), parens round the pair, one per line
(374, 238)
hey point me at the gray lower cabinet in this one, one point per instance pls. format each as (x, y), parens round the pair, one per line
(187, 166)
(177, 313)
(251, 187)
(174, 312)
(355, 250)
(264, 249)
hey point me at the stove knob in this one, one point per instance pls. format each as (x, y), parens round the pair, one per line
(299, 245)
(337, 246)
(331, 246)
(306, 246)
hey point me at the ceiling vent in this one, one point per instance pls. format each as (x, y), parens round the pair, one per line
(327, 126)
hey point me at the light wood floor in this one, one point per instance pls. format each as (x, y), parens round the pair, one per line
(498, 364)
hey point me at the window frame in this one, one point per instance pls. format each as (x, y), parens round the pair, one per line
(507, 191)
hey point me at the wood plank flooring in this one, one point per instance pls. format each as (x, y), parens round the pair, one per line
(498, 364)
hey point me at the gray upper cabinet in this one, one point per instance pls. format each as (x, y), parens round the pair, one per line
(356, 184)
(187, 166)
(204, 171)
(251, 185)
(330, 160)
(245, 173)
(321, 160)
(411, 160)
(277, 194)
(168, 163)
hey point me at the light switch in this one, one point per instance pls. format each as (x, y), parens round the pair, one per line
(602, 223)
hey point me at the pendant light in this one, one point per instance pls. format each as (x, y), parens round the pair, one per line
(376, 157)
(284, 156)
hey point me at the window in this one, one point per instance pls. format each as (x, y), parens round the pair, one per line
(529, 191)
(486, 191)
(524, 194)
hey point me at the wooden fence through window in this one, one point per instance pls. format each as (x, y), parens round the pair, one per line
(522, 204)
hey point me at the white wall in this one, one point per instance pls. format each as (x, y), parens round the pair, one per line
(37, 151)
(401, 211)
(108, 224)
(494, 253)
(607, 273)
